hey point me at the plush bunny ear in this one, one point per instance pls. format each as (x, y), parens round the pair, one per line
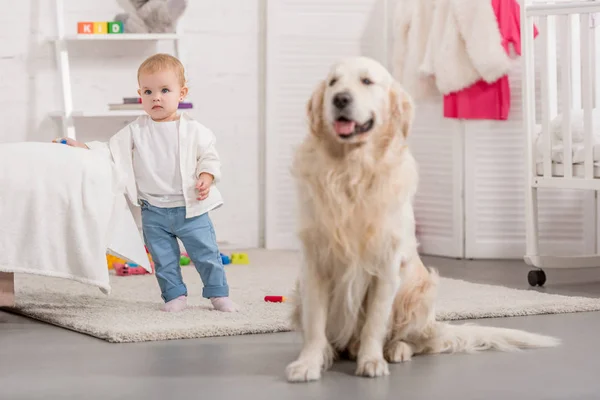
(127, 5)
(137, 4)
(402, 108)
(314, 108)
(176, 9)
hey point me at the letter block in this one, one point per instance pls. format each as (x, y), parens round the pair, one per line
(85, 27)
(115, 27)
(101, 28)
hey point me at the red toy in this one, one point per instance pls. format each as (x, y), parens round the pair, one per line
(275, 299)
(130, 269)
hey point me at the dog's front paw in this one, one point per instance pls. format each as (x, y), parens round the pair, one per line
(303, 371)
(399, 352)
(372, 367)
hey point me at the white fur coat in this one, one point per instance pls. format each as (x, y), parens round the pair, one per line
(443, 46)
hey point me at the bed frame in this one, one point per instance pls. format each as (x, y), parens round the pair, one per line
(546, 174)
(7, 289)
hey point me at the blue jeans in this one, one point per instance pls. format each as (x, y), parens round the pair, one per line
(161, 228)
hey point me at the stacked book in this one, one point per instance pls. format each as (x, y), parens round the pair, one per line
(135, 103)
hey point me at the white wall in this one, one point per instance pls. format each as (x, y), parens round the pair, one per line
(221, 51)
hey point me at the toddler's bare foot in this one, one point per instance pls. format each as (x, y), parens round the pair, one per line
(175, 305)
(223, 304)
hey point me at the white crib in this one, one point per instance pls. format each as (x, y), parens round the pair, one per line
(562, 126)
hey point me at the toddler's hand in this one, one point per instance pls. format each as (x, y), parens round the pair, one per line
(70, 142)
(203, 185)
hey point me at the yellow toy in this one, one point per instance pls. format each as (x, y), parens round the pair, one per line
(240, 258)
(111, 260)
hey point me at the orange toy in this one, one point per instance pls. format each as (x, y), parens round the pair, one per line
(85, 27)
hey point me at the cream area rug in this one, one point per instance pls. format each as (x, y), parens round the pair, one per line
(131, 312)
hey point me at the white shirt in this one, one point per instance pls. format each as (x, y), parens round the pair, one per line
(156, 164)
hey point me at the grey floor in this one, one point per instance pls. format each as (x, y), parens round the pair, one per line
(40, 361)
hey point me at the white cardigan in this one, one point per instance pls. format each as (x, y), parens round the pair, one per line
(197, 154)
(412, 24)
(447, 45)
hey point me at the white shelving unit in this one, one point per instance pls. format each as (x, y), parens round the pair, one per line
(99, 114)
(69, 113)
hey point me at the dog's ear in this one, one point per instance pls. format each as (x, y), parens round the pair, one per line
(402, 108)
(314, 108)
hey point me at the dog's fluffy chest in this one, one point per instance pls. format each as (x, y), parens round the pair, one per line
(356, 213)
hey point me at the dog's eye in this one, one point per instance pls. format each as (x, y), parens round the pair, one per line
(366, 81)
(332, 82)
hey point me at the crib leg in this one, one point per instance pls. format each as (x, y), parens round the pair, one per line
(7, 289)
(531, 222)
(535, 277)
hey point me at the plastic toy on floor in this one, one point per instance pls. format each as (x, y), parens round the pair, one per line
(275, 299)
(124, 268)
(236, 258)
(240, 258)
(184, 259)
(225, 259)
(130, 269)
(112, 260)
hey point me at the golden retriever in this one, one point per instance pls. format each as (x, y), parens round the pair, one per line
(363, 290)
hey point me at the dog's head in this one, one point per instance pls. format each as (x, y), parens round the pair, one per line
(358, 101)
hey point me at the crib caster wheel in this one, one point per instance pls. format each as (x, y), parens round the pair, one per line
(536, 277)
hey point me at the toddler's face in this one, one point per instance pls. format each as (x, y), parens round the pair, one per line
(161, 93)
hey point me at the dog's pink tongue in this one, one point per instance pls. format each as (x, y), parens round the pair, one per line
(344, 127)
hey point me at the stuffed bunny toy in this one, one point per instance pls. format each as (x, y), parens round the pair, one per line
(150, 16)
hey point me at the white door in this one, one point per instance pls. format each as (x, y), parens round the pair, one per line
(438, 146)
(303, 39)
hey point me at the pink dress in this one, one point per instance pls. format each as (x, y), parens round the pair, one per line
(484, 100)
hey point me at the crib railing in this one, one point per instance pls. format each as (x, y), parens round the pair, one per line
(559, 68)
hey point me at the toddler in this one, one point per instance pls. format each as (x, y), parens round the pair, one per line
(172, 167)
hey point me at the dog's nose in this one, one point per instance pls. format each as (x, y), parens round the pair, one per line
(341, 100)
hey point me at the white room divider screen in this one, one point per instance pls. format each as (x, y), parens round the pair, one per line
(304, 37)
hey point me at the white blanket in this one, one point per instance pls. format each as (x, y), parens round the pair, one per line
(577, 138)
(61, 209)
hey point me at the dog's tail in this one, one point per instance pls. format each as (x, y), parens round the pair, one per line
(414, 308)
(468, 338)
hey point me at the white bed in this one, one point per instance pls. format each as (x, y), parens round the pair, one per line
(61, 210)
(563, 149)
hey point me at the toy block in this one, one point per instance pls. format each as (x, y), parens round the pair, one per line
(225, 259)
(115, 27)
(85, 27)
(100, 28)
(7, 289)
(240, 258)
